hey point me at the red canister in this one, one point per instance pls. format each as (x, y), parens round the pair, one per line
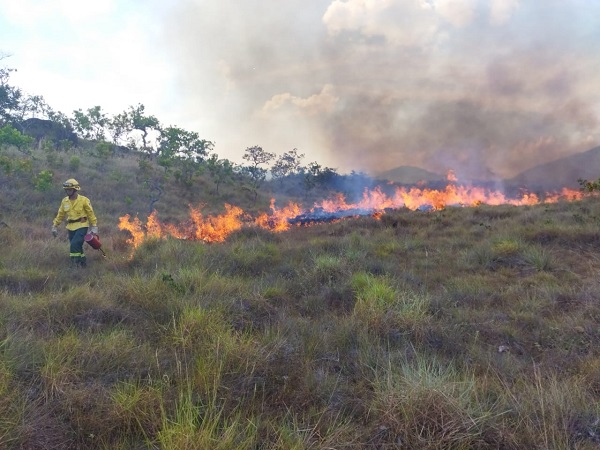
(93, 240)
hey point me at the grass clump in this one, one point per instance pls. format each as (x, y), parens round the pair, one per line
(428, 405)
(377, 301)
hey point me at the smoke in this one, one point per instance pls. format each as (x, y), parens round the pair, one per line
(487, 88)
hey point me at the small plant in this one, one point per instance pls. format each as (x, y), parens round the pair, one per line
(60, 368)
(538, 258)
(328, 267)
(170, 281)
(43, 181)
(74, 163)
(104, 150)
(506, 247)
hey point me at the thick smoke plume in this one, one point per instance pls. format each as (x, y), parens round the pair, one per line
(487, 88)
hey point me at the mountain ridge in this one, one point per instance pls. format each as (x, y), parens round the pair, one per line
(561, 173)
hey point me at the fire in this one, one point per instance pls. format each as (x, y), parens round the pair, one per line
(213, 229)
(279, 219)
(135, 228)
(208, 229)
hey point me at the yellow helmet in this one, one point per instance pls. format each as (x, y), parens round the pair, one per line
(71, 183)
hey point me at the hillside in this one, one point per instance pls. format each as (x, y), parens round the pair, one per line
(552, 176)
(563, 172)
(409, 175)
(473, 328)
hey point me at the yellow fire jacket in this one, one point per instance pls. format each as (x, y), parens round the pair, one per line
(78, 212)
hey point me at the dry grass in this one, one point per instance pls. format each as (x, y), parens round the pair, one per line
(472, 328)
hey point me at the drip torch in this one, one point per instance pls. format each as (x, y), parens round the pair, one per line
(94, 241)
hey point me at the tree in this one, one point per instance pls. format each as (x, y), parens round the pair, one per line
(183, 149)
(221, 170)
(90, 124)
(10, 97)
(288, 164)
(256, 174)
(10, 136)
(60, 118)
(315, 174)
(146, 125)
(30, 106)
(120, 127)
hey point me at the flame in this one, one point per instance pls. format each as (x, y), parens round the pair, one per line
(278, 221)
(373, 202)
(209, 229)
(135, 228)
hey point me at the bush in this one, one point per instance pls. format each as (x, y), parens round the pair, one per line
(43, 181)
(74, 163)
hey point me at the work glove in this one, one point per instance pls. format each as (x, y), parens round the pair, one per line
(94, 230)
(54, 232)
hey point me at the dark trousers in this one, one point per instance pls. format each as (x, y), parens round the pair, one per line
(76, 238)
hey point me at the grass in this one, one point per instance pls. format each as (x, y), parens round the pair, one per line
(468, 328)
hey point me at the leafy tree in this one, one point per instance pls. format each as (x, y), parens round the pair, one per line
(98, 121)
(183, 149)
(145, 171)
(311, 173)
(36, 105)
(286, 165)
(30, 106)
(60, 118)
(315, 174)
(221, 170)
(10, 136)
(14, 105)
(120, 126)
(90, 124)
(145, 125)
(81, 123)
(255, 174)
(10, 97)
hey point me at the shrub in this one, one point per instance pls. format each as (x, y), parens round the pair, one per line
(74, 163)
(43, 181)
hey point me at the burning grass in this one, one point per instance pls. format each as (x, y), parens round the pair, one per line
(373, 203)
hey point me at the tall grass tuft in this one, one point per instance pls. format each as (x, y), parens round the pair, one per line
(428, 405)
(378, 302)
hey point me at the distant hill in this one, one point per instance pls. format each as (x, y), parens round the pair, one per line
(550, 176)
(563, 172)
(409, 175)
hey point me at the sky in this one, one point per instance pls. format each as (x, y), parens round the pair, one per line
(486, 88)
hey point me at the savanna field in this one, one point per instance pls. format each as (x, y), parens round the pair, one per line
(458, 328)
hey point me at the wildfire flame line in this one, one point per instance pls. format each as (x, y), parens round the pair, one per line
(217, 228)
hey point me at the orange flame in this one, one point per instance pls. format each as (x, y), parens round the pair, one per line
(135, 228)
(374, 202)
(278, 220)
(209, 229)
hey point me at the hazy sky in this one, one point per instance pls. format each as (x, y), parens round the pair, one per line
(484, 87)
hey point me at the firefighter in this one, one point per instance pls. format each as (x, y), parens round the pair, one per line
(80, 216)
